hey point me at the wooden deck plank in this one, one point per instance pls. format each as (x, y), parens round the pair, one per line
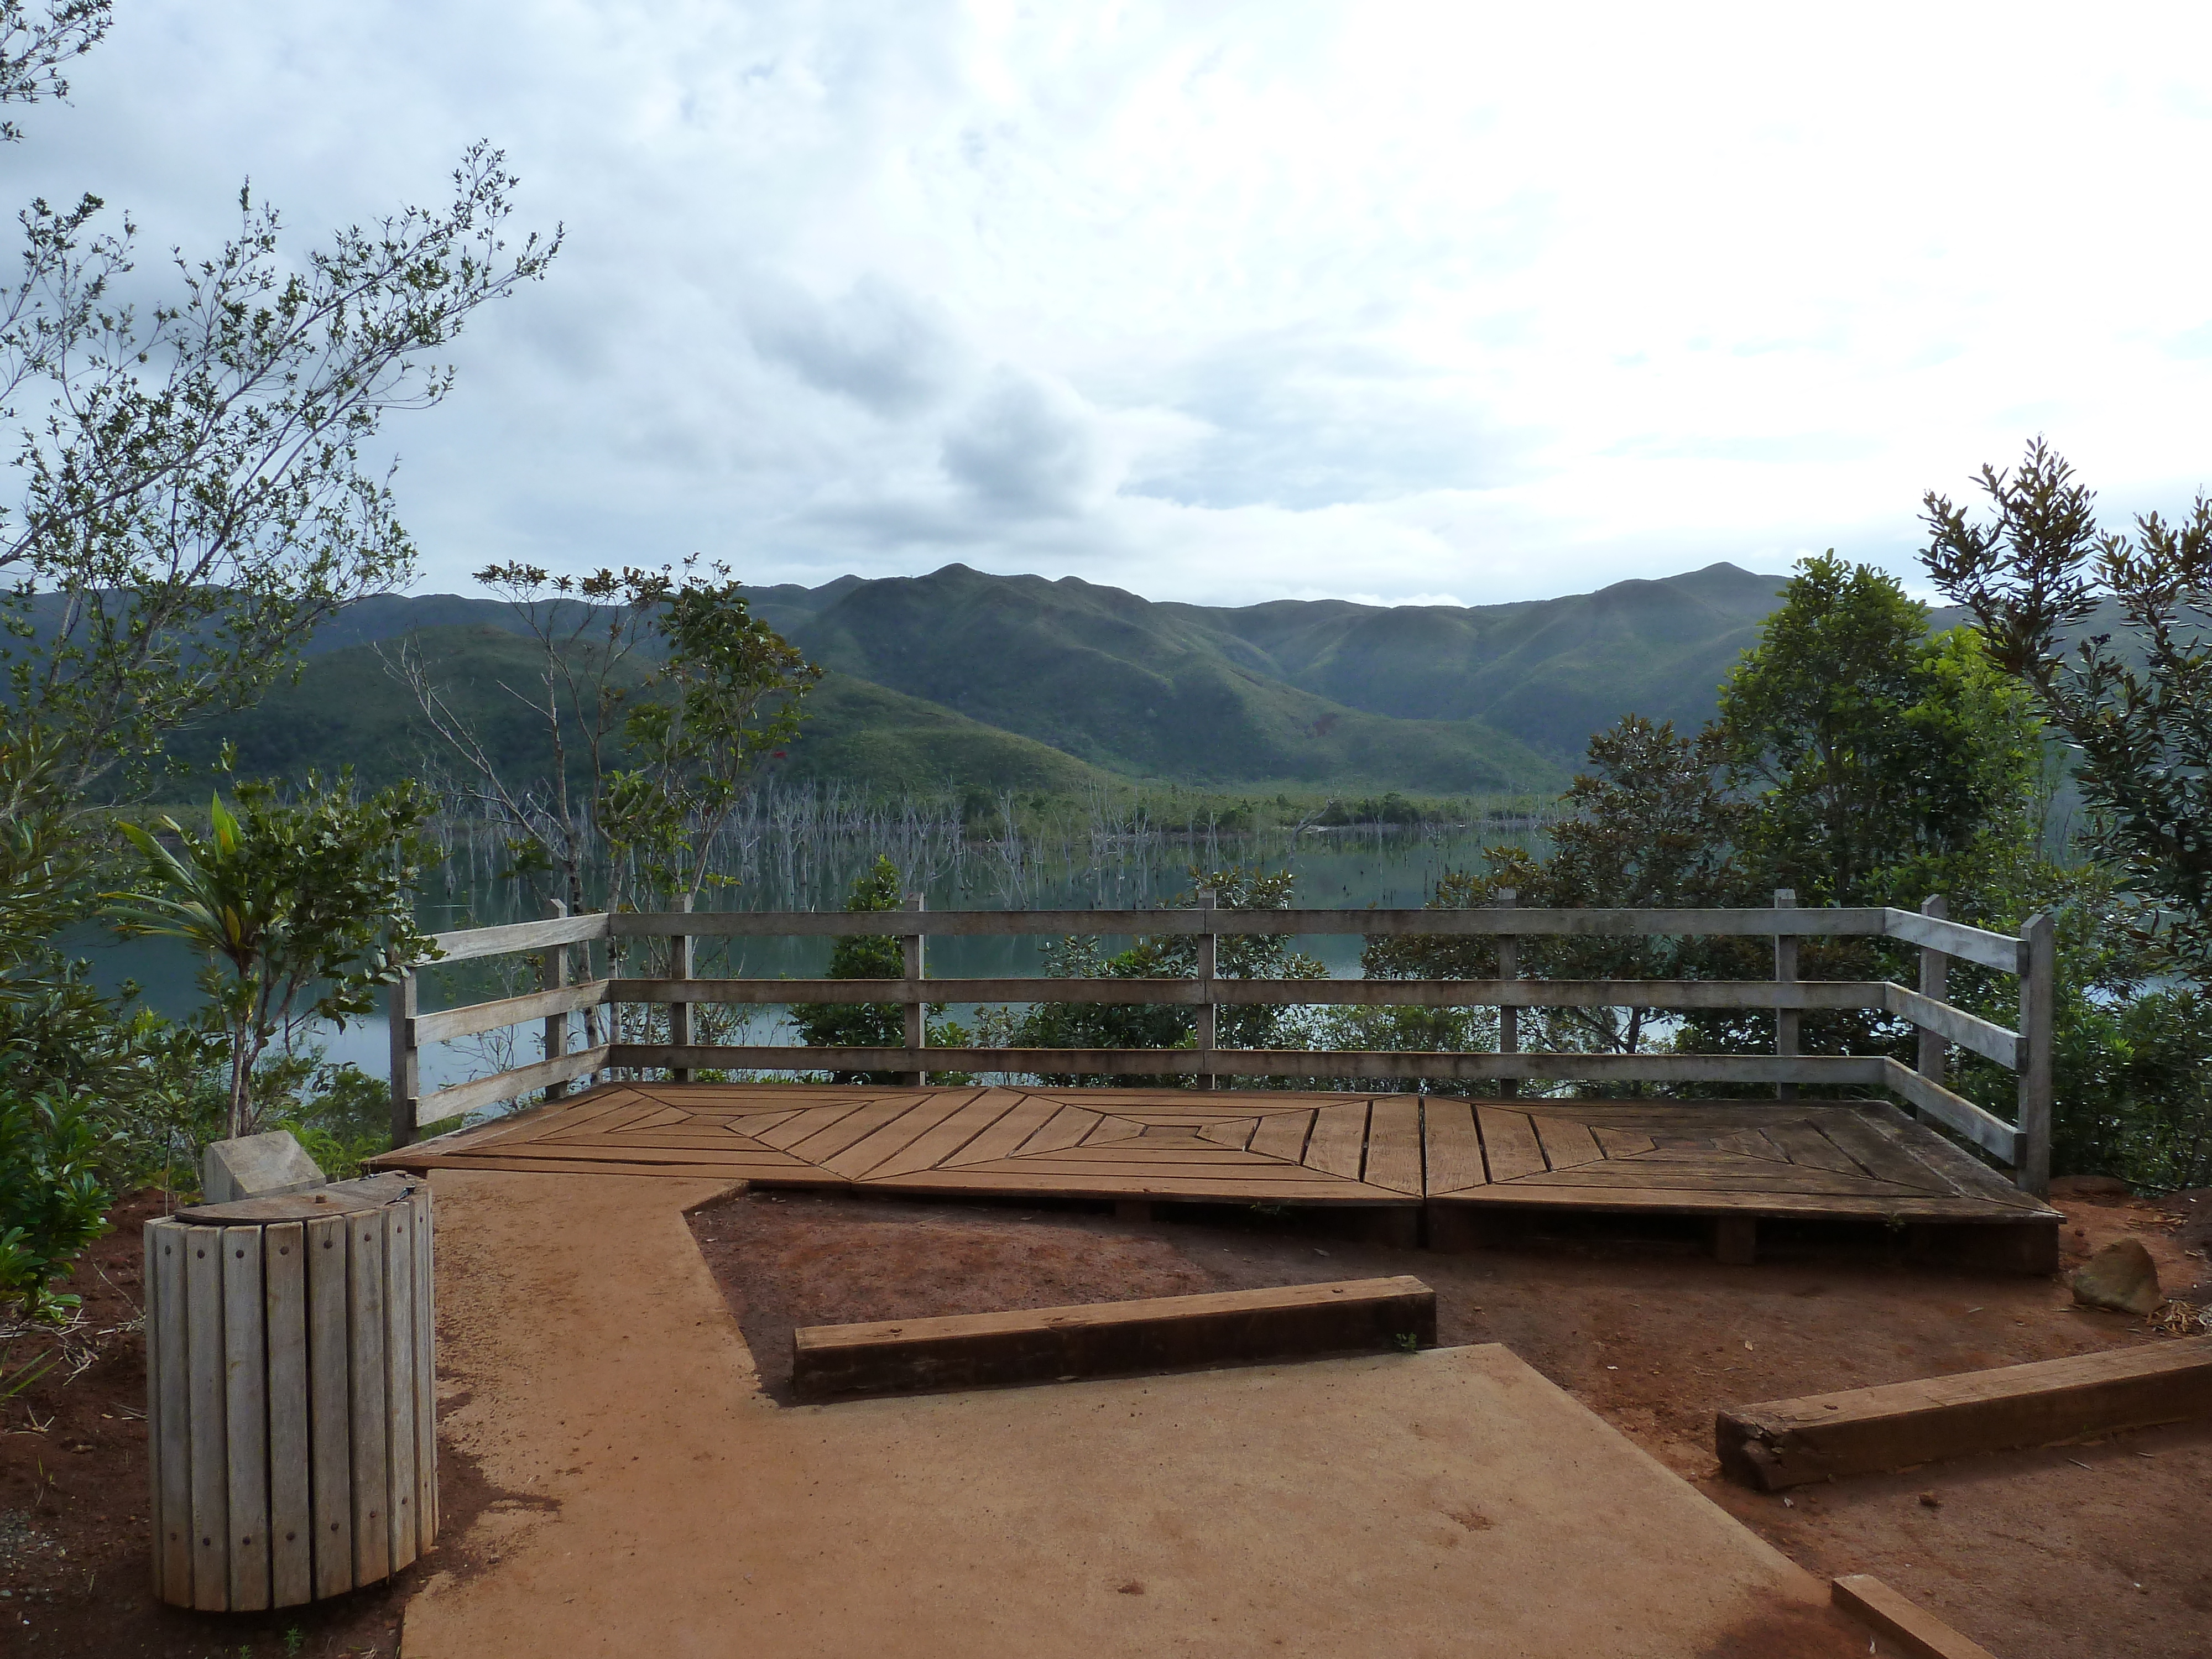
(690, 1171)
(855, 1127)
(1225, 1176)
(1230, 1131)
(1452, 1148)
(1807, 1148)
(813, 1120)
(1686, 1200)
(1064, 1129)
(1566, 1140)
(1394, 1144)
(1879, 1151)
(1620, 1143)
(1338, 1139)
(1112, 1128)
(1029, 1115)
(1509, 1146)
(933, 1146)
(1330, 1191)
(922, 1115)
(1282, 1135)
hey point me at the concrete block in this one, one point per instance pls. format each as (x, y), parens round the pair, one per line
(257, 1166)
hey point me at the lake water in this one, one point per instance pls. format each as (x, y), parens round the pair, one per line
(1351, 869)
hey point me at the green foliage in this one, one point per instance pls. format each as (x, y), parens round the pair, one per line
(52, 1199)
(304, 908)
(1649, 824)
(191, 500)
(1878, 762)
(872, 955)
(1175, 956)
(2133, 701)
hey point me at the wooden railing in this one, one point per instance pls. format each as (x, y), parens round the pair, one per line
(2023, 1145)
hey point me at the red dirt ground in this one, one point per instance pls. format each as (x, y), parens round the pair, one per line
(2032, 1554)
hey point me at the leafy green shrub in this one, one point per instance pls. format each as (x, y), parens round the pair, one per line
(52, 1201)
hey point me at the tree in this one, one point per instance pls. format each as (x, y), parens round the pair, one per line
(189, 497)
(658, 694)
(2134, 702)
(1877, 763)
(303, 907)
(1651, 823)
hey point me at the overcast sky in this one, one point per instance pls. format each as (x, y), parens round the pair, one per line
(1229, 302)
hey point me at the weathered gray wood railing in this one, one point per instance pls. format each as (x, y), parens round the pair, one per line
(2024, 1146)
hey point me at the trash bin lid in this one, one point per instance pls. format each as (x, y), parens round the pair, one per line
(375, 1192)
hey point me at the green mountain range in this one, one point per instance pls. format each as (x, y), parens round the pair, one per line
(1017, 682)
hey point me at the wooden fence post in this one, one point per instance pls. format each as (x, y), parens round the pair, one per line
(917, 1010)
(679, 1013)
(1207, 963)
(1785, 969)
(1933, 1054)
(1509, 1016)
(406, 1062)
(557, 1025)
(2037, 960)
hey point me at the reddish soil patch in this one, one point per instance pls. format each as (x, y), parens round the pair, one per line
(73, 1488)
(2030, 1554)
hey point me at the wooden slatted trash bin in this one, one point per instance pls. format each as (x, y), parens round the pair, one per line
(290, 1394)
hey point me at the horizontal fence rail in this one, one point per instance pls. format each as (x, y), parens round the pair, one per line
(2024, 1146)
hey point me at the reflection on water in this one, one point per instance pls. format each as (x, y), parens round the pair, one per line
(1352, 868)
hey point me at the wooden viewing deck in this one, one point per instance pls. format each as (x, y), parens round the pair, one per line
(1457, 1156)
(1741, 1162)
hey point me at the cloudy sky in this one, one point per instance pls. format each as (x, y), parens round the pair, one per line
(1229, 302)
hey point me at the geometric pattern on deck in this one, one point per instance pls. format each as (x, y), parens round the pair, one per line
(1107, 1142)
(1843, 1158)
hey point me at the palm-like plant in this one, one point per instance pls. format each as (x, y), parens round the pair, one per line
(302, 908)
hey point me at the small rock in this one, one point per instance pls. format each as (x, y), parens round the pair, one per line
(2121, 1276)
(1930, 1500)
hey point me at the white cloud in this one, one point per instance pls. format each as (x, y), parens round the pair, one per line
(1235, 302)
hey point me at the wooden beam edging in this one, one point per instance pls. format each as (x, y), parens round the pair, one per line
(1912, 1629)
(1987, 1131)
(1104, 1339)
(504, 1086)
(1789, 1443)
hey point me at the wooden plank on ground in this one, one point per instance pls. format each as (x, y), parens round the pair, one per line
(1786, 1443)
(1509, 1146)
(1036, 1345)
(1452, 1149)
(1912, 1630)
(1339, 1138)
(1394, 1144)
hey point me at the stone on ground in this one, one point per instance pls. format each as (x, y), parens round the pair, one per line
(2121, 1276)
(257, 1166)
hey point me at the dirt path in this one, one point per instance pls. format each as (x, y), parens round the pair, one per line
(664, 1505)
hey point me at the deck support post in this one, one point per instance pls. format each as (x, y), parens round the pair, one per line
(406, 1070)
(1785, 969)
(679, 1013)
(1934, 1053)
(915, 1011)
(1735, 1240)
(2037, 960)
(1207, 949)
(1509, 1017)
(555, 975)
